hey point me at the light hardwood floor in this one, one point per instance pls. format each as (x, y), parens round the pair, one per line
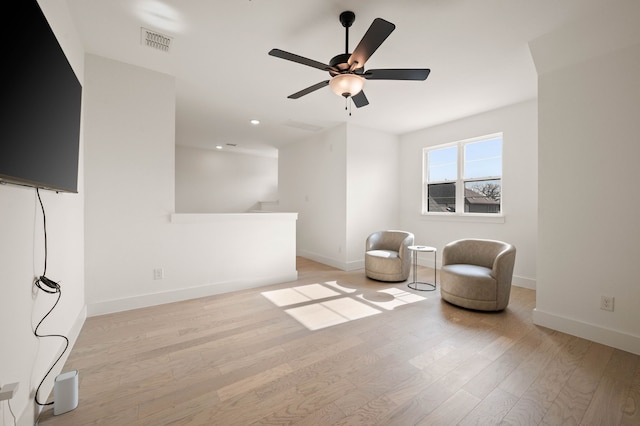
(334, 348)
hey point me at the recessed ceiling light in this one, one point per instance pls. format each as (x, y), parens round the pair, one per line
(218, 147)
(255, 122)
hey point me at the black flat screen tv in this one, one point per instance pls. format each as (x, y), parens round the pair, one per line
(41, 106)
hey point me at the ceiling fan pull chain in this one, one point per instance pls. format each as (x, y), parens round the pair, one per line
(349, 101)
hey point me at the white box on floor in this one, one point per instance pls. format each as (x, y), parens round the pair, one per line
(65, 392)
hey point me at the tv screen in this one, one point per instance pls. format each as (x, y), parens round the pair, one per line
(41, 106)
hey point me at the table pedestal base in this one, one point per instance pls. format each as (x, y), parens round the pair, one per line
(414, 285)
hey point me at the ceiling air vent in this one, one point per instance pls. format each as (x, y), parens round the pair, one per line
(154, 39)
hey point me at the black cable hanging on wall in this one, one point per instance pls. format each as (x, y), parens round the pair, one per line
(48, 286)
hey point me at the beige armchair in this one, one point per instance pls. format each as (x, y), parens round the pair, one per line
(476, 273)
(387, 256)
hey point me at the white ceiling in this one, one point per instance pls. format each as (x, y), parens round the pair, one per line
(476, 49)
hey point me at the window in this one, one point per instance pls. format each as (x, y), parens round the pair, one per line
(464, 177)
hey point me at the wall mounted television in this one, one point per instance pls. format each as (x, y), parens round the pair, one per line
(41, 106)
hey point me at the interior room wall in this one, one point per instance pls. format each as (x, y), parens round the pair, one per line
(213, 181)
(588, 178)
(312, 182)
(24, 358)
(373, 189)
(129, 157)
(518, 123)
(343, 183)
(131, 227)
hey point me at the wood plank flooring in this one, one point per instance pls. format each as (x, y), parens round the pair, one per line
(335, 348)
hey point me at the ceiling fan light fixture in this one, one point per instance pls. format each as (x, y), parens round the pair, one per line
(346, 84)
(347, 69)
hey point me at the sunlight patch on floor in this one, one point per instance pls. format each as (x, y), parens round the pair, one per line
(299, 294)
(335, 285)
(316, 314)
(333, 312)
(400, 297)
(316, 291)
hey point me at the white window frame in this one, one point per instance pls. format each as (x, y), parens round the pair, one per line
(460, 182)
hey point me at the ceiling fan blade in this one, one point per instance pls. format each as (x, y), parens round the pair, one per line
(397, 74)
(309, 90)
(372, 39)
(299, 59)
(360, 99)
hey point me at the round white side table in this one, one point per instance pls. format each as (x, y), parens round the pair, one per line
(415, 283)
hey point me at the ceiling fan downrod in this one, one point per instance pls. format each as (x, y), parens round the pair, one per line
(347, 19)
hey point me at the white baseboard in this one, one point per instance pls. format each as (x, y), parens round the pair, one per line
(342, 265)
(606, 336)
(77, 327)
(323, 259)
(152, 299)
(355, 265)
(519, 281)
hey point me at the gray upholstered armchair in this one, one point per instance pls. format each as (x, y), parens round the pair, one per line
(477, 273)
(387, 256)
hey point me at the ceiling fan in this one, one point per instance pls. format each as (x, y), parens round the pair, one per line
(347, 69)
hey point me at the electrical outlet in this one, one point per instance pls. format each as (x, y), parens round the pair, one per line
(158, 274)
(606, 303)
(7, 391)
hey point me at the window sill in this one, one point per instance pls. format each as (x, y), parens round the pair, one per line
(469, 217)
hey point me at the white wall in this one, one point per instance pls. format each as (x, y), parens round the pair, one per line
(210, 181)
(24, 358)
(131, 228)
(311, 177)
(373, 190)
(589, 175)
(343, 183)
(519, 126)
(129, 178)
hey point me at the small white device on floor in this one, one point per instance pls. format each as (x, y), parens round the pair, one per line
(65, 392)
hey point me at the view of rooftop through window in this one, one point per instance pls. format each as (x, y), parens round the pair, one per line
(466, 173)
